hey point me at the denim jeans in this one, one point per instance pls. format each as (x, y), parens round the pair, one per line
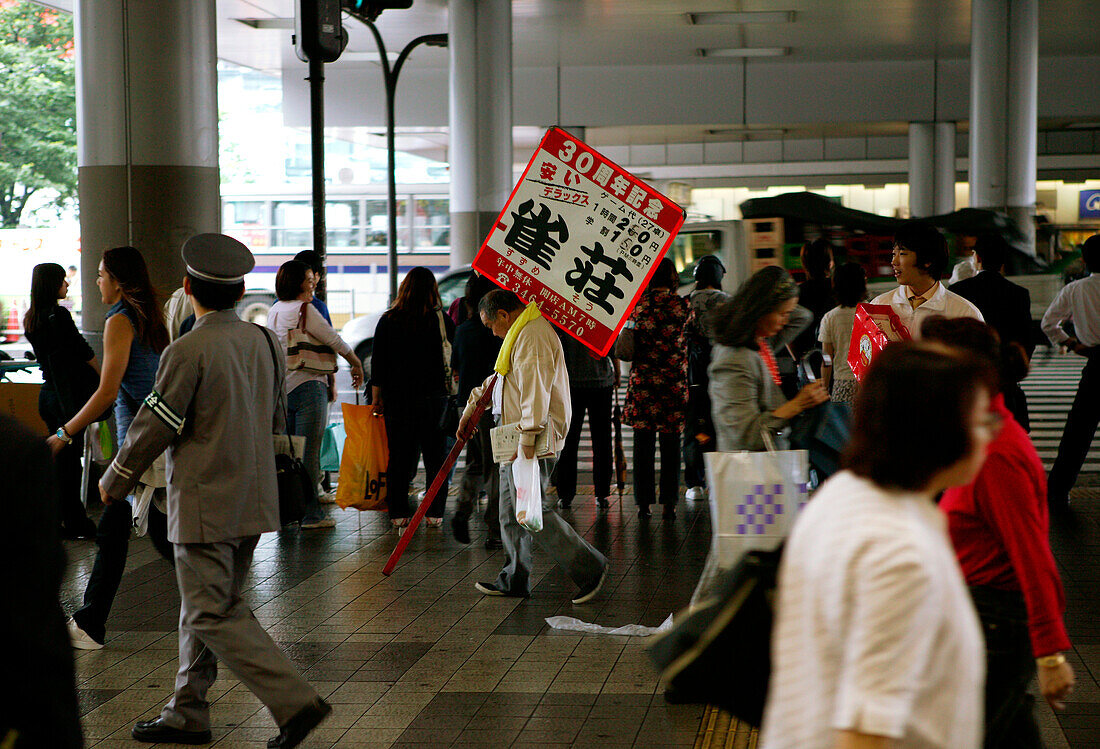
(307, 416)
(113, 542)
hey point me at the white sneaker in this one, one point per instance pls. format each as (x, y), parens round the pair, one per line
(325, 522)
(327, 498)
(696, 493)
(80, 639)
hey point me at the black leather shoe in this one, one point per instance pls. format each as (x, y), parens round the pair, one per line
(565, 504)
(298, 727)
(643, 511)
(494, 543)
(155, 732)
(602, 503)
(460, 526)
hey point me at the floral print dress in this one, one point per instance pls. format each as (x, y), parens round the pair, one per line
(656, 398)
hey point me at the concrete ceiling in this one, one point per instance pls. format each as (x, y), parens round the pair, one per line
(619, 33)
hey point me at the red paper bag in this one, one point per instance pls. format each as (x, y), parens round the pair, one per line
(876, 326)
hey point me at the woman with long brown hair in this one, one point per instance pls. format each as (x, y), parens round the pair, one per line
(69, 369)
(409, 388)
(133, 338)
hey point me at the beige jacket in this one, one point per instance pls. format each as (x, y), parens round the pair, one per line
(536, 390)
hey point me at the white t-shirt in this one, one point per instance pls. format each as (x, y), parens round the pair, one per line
(876, 631)
(283, 316)
(836, 329)
(942, 302)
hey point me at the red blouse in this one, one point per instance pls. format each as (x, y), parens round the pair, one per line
(999, 526)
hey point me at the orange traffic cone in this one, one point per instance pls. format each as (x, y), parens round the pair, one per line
(12, 328)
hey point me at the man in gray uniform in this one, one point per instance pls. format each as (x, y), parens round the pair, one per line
(217, 400)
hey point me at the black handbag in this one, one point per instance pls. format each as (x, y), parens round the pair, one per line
(720, 652)
(295, 486)
(291, 477)
(451, 416)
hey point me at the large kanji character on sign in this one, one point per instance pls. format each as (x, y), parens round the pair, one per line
(530, 233)
(597, 290)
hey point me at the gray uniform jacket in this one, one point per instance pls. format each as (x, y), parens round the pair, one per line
(217, 399)
(743, 394)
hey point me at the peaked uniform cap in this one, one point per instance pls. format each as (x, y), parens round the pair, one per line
(217, 258)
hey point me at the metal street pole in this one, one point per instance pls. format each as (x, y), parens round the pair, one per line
(317, 160)
(389, 76)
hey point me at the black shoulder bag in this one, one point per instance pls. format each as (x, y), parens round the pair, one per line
(295, 485)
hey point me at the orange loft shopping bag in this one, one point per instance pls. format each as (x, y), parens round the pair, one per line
(363, 464)
(876, 325)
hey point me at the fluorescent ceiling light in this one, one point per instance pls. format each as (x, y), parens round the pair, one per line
(746, 16)
(267, 23)
(745, 52)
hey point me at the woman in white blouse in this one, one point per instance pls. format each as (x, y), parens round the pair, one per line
(876, 643)
(308, 392)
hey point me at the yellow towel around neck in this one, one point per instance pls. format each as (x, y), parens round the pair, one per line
(504, 358)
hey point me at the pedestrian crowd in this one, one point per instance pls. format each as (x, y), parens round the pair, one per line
(917, 594)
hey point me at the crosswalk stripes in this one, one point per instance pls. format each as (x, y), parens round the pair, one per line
(1050, 388)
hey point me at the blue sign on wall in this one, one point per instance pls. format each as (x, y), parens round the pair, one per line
(1090, 204)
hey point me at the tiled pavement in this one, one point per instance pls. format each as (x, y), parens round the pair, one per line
(419, 658)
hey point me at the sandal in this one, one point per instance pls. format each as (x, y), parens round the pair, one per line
(399, 522)
(434, 522)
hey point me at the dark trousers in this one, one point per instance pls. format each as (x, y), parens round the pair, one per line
(113, 539)
(481, 474)
(698, 423)
(645, 444)
(1081, 423)
(596, 402)
(412, 430)
(66, 463)
(1009, 717)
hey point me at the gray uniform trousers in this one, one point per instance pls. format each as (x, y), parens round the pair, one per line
(216, 624)
(577, 557)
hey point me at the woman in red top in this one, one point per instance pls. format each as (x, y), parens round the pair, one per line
(999, 526)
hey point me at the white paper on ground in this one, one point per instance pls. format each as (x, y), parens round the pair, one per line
(633, 630)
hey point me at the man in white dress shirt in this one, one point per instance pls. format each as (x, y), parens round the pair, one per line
(1078, 302)
(919, 261)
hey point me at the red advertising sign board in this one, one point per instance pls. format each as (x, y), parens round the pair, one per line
(875, 327)
(580, 236)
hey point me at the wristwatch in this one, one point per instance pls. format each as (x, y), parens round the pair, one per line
(62, 435)
(1050, 661)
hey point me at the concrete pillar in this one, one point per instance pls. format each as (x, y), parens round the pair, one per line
(480, 120)
(944, 177)
(1023, 115)
(1003, 107)
(921, 169)
(147, 134)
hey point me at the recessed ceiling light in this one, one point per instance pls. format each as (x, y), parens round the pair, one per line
(747, 16)
(745, 52)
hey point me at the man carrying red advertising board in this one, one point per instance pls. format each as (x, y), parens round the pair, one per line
(919, 261)
(534, 397)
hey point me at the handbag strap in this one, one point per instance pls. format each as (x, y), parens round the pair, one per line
(275, 365)
(302, 316)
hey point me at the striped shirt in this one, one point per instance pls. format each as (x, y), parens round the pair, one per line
(875, 631)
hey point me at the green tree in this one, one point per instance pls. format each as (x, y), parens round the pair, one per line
(37, 107)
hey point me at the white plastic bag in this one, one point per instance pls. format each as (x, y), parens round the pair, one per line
(525, 474)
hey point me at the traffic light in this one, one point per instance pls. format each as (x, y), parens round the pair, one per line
(318, 31)
(369, 10)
